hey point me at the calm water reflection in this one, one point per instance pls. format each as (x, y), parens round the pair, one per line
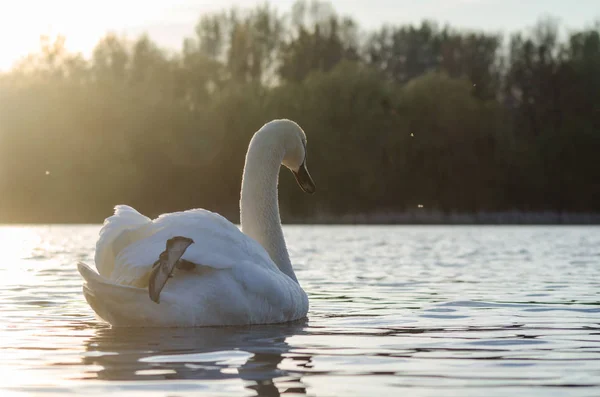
(252, 354)
(421, 311)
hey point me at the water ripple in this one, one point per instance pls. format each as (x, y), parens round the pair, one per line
(470, 311)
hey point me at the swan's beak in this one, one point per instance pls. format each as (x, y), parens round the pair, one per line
(304, 179)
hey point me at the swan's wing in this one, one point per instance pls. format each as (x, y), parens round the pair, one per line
(218, 244)
(162, 269)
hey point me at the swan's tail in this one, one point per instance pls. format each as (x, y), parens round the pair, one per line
(116, 304)
(119, 230)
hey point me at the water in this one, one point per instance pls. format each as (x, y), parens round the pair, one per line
(419, 311)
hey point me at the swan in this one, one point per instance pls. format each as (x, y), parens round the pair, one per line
(195, 268)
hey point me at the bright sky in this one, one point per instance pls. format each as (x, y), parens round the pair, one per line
(83, 22)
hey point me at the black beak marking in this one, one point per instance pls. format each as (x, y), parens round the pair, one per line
(304, 179)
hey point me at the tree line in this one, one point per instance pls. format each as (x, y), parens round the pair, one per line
(402, 118)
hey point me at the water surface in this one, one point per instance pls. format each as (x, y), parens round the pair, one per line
(395, 310)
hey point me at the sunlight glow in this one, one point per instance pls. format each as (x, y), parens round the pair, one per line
(83, 23)
(17, 244)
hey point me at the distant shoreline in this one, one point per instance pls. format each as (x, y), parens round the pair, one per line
(418, 217)
(421, 217)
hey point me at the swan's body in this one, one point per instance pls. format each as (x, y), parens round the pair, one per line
(236, 277)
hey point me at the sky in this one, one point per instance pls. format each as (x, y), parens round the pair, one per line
(84, 22)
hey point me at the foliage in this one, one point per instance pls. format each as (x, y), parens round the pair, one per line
(396, 118)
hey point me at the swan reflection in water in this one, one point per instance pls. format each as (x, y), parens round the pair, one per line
(252, 354)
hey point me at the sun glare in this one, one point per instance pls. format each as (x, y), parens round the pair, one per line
(83, 23)
(16, 244)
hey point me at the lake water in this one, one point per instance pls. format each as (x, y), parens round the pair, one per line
(409, 310)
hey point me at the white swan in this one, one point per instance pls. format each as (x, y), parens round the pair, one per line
(224, 276)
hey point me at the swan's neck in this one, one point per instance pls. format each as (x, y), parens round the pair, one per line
(259, 207)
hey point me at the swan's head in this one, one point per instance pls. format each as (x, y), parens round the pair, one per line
(293, 140)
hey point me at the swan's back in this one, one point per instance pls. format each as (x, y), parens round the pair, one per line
(218, 244)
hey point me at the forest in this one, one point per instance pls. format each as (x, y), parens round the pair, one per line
(400, 120)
